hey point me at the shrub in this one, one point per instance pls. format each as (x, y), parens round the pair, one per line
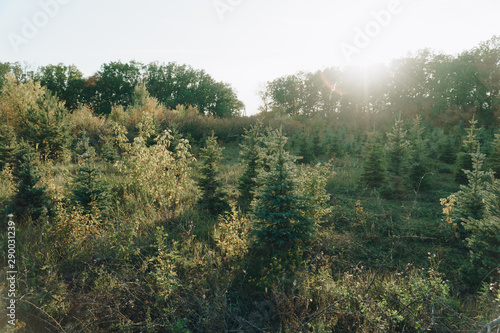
(159, 176)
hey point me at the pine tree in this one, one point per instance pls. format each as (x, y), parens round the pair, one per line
(31, 199)
(45, 125)
(213, 198)
(317, 149)
(468, 203)
(495, 156)
(472, 203)
(474, 214)
(305, 149)
(397, 150)
(464, 161)
(250, 155)
(484, 234)
(8, 143)
(397, 159)
(446, 149)
(373, 167)
(90, 192)
(418, 161)
(281, 223)
(333, 142)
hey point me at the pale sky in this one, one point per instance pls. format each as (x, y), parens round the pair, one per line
(244, 43)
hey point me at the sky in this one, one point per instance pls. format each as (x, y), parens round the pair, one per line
(241, 42)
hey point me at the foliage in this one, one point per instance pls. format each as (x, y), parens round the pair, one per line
(281, 221)
(484, 234)
(8, 143)
(418, 159)
(143, 117)
(495, 156)
(158, 175)
(231, 237)
(16, 98)
(213, 198)
(305, 149)
(7, 187)
(30, 199)
(468, 202)
(45, 125)
(65, 82)
(333, 142)
(397, 159)
(373, 166)
(175, 84)
(247, 183)
(466, 211)
(84, 120)
(464, 161)
(90, 191)
(114, 85)
(409, 300)
(315, 251)
(301, 94)
(312, 189)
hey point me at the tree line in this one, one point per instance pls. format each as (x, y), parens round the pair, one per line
(172, 84)
(444, 88)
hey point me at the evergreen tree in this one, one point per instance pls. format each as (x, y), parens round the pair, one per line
(418, 161)
(474, 214)
(250, 155)
(373, 167)
(108, 151)
(281, 223)
(446, 149)
(213, 198)
(468, 203)
(397, 150)
(31, 199)
(91, 192)
(397, 159)
(305, 149)
(484, 235)
(8, 143)
(495, 156)
(317, 149)
(333, 142)
(464, 161)
(45, 125)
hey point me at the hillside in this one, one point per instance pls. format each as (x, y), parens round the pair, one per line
(142, 201)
